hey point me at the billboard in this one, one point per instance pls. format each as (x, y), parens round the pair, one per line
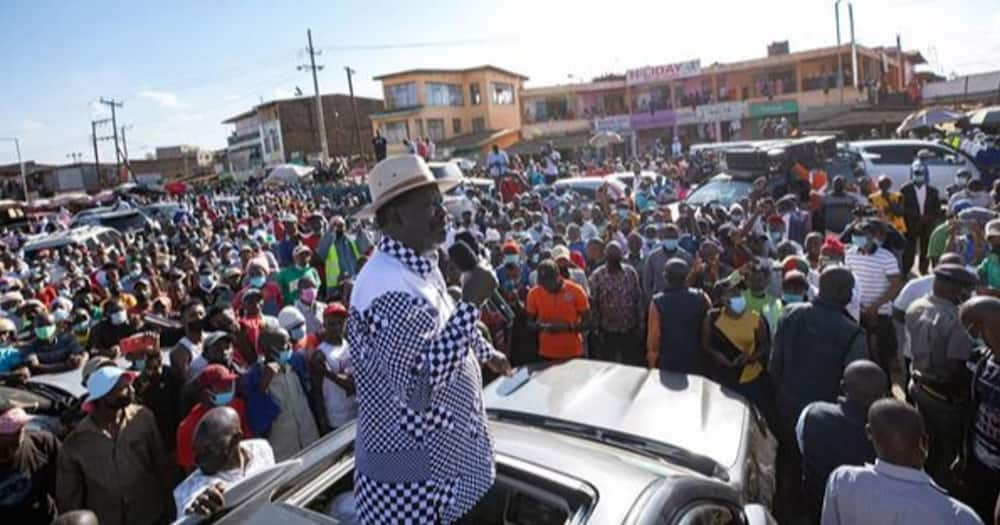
(663, 72)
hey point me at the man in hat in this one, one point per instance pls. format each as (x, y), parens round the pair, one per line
(113, 462)
(157, 387)
(332, 371)
(877, 279)
(339, 254)
(289, 277)
(940, 380)
(27, 468)
(284, 251)
(216, 387)
(412, 345)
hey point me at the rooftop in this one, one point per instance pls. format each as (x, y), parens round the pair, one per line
(431, 71)
(253, 111)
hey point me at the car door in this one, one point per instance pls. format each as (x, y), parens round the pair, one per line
(943, 165)
(893, 160)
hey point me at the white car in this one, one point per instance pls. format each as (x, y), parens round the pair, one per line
(894, 157)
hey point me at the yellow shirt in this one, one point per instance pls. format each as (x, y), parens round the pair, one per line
(742, 333)
(882, 204)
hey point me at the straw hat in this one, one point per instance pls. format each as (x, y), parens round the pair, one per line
(395, 176)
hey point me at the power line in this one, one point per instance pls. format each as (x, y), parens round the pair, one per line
(319, 98)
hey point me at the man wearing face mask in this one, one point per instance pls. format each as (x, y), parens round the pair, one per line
(974, 192)
(877, 280)
(256, 279)
(921, 211)
(115, 326)
(339, 254)
(207, 287)
(189, 348)
(288, 278)
(652, 269)
(309, 305)
(940, 381)
(224, 457)
(113, 462)
(156, 388)
(216, 388)
(275, 390)
(50, 352)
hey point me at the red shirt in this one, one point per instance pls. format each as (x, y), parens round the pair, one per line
(185, 432)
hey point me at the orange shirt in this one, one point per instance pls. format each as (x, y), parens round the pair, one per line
(565, 306)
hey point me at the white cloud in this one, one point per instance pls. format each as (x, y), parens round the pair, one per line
(163, 98)
(231, 97)
(190, 117)
(284, 92)
(31, 125)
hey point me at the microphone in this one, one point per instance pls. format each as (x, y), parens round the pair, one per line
(466, 260)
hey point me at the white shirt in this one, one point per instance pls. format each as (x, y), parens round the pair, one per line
(588, 231)
(871, 275)
(340, 407)
(921, 196)
(259, 457)
(552, 163)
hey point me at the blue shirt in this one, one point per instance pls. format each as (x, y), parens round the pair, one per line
(10, 357)
(888, 493)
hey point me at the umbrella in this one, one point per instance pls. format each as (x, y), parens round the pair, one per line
(927, 118)
(605, 138)
(288, 174)
(988, 117)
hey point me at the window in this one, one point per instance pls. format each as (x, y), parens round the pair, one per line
(456, 126)
(436, 94)
(435, 128)
(420, 127)
(401, 96)
(474, 97)
(395, 131)
(893, 154)
(502, 93)
(478, 124)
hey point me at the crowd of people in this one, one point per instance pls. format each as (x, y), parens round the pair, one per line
(861, 321)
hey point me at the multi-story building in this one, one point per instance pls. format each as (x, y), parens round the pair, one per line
(739, 100)
(461, 110)
(173, 163)
(287, 130)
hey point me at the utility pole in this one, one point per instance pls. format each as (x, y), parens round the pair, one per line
(114, 130)
(128, 168)
(97, 159)
(354, 109)
(75, 156)
(319, 98)
(840, 57)
(854, 46)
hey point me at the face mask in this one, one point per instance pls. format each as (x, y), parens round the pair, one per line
(790, 298)
(859, 241)
(81, 328)
(139, 365)
(670, 244)
(297, 333)
(224, 398)
(307, 296)
(512, 258)
(737, 304)
(119, 317)
(136, 273)
(258, 282)
(45, 332)
(776, 237)
(919, 180)
(285, 356)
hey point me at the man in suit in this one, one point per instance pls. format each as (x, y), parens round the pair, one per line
(921, 210)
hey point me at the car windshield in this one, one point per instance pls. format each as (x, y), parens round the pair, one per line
(724, 192)
(126, 222)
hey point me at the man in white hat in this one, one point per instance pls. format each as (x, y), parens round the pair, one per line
(424, 453)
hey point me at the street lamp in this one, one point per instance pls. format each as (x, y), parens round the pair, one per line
(24, 176)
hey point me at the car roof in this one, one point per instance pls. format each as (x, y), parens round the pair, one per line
(893, 142)
(678, 410)
(64, 237)
(594, 181)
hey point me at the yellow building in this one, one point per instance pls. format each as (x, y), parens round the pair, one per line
(461, 110)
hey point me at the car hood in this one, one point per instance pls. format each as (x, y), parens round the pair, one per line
(685, 411)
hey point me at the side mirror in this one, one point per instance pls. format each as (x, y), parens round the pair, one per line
(758, 515)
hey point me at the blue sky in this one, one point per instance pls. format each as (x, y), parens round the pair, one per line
(183, 66)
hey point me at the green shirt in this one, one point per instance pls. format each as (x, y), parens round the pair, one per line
(938, 241)
(288, 279)
(989, 271)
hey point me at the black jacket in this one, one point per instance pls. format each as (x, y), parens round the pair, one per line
(911, 207)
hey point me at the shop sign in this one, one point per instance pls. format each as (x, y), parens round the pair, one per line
(647, 120)
(685, 117)
(664, 72)
(617, 124)
(774, 107)
(722, 112)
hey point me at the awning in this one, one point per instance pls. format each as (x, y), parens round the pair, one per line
(853, 118)
(570, 141)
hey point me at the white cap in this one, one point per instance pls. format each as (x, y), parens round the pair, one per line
(289, 317)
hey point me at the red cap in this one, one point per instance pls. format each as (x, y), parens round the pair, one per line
(336, 309)
(832, 246)
(510, 248)
(216, 377)
(775, 219)
(578, 260)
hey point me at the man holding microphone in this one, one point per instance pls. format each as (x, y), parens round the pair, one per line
(423, 451)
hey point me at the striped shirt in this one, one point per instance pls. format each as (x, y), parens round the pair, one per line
(871, 275)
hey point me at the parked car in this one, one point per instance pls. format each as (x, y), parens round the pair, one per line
(581, 442)
(88, 236)
(894, 157)
(721, 189)
(587, 187)
(125, 221)
(162, 212)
